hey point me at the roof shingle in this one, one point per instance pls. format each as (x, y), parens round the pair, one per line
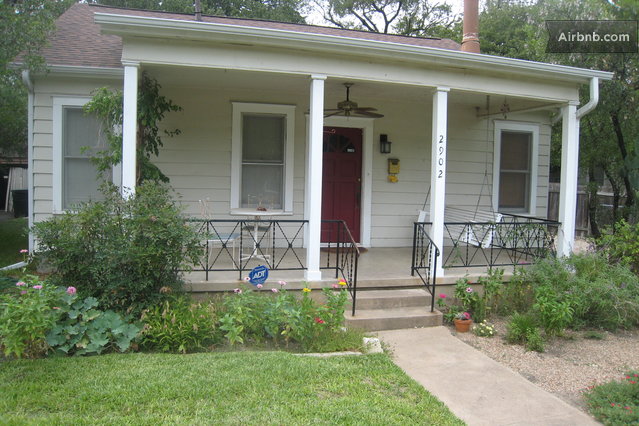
(77, 40)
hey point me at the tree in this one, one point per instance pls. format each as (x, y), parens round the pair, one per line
(609, 143)
(24, 25)
(404, 17)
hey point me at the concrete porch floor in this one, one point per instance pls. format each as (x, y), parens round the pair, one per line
(378, 267)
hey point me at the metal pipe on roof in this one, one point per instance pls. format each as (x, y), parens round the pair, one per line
(470, 40)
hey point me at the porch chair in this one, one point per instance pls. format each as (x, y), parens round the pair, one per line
(218, 237)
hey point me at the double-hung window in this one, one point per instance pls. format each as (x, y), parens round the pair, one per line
(262, 157)
(515, 167)
(76, 136)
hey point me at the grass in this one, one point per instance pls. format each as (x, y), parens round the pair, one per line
(13, 237)
(211, 388)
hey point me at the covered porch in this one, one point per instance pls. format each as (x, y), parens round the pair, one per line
(469, 131)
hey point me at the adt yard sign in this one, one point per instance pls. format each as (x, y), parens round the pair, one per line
(258, 275)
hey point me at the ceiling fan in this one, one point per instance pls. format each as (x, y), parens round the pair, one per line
(349, 108)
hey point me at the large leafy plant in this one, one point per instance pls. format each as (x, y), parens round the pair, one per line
(82, 329)
(122, 251)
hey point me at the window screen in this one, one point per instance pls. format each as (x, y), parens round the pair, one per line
(263, 160)
(79, 174)
(515, 171)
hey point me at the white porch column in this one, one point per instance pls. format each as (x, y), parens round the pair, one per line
(438, 171)
(568, 188)
(129, 127)
(313, 196)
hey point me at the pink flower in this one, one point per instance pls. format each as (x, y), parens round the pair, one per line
(37, 287)
(24, 251)
(335, 285)
(282, 283)
(237, 291)
(23, 292)
(318, 320)
(259, 286)
(466, 315)
(71, 290)
(442, 296)
(274, 290)
(21, 283)
(469, 290)
(55, 307)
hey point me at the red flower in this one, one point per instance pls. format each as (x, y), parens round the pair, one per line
(319, 320)
(612, 404)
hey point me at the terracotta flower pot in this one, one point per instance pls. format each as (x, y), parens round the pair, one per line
(462, 326)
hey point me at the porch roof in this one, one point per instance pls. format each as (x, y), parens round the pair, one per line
(90, 36)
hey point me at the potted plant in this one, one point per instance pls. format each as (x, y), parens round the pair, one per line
(462, 322)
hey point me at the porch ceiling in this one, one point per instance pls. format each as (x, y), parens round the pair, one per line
(213, 78)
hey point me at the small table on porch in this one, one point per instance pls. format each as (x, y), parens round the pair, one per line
(257, 215)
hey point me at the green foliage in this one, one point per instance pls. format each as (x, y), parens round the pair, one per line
(517, 294)
(410, 18)
(152, 108)
(26, 314)
(524, 329)
(179, 325)
(554, 310)
(255, 317)
(82, 329)
(616, 402)
(122, 251)
(484, 329)
(621, 244)
(13, 234)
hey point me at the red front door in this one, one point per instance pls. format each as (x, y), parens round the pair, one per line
(342, 180)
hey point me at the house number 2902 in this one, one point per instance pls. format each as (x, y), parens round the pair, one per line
(440, 157)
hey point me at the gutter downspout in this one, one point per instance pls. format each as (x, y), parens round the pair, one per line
(592, 103)
(26, 79)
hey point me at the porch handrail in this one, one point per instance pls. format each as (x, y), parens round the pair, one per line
(424, 259)
(346, 257)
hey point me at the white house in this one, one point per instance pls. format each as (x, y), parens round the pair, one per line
(260, 123)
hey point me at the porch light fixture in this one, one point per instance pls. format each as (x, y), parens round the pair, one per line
(384, 144)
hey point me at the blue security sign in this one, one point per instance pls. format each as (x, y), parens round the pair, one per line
(258, 275)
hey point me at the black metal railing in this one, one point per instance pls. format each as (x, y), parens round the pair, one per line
(342, 254)
(240, 245)
(512, 241)
(424, 262)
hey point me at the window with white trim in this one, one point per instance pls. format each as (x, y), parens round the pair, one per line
(515, 167)
(262, 163)
(76, 136)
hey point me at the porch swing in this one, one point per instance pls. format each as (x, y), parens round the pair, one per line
(483, 233)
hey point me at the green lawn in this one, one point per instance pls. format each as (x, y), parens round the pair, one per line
(13, 238)
(214, 388)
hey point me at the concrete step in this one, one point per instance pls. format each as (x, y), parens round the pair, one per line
(395, 298)
(393, 318)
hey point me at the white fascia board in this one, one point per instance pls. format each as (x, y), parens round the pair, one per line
(78, 71)
(125, 25)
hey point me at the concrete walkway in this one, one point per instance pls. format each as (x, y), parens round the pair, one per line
(476, 388)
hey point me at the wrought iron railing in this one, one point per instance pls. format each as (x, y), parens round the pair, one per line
(512, 241)
(424, 262)
(240, 245)
(342, 254)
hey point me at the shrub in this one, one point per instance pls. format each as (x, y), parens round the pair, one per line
(616, 402)
(621, 244)
(524, 329)
(121, 251)
(553, 309)
(82, 329)
(517, 294)
(26, 314)
(178, 325)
